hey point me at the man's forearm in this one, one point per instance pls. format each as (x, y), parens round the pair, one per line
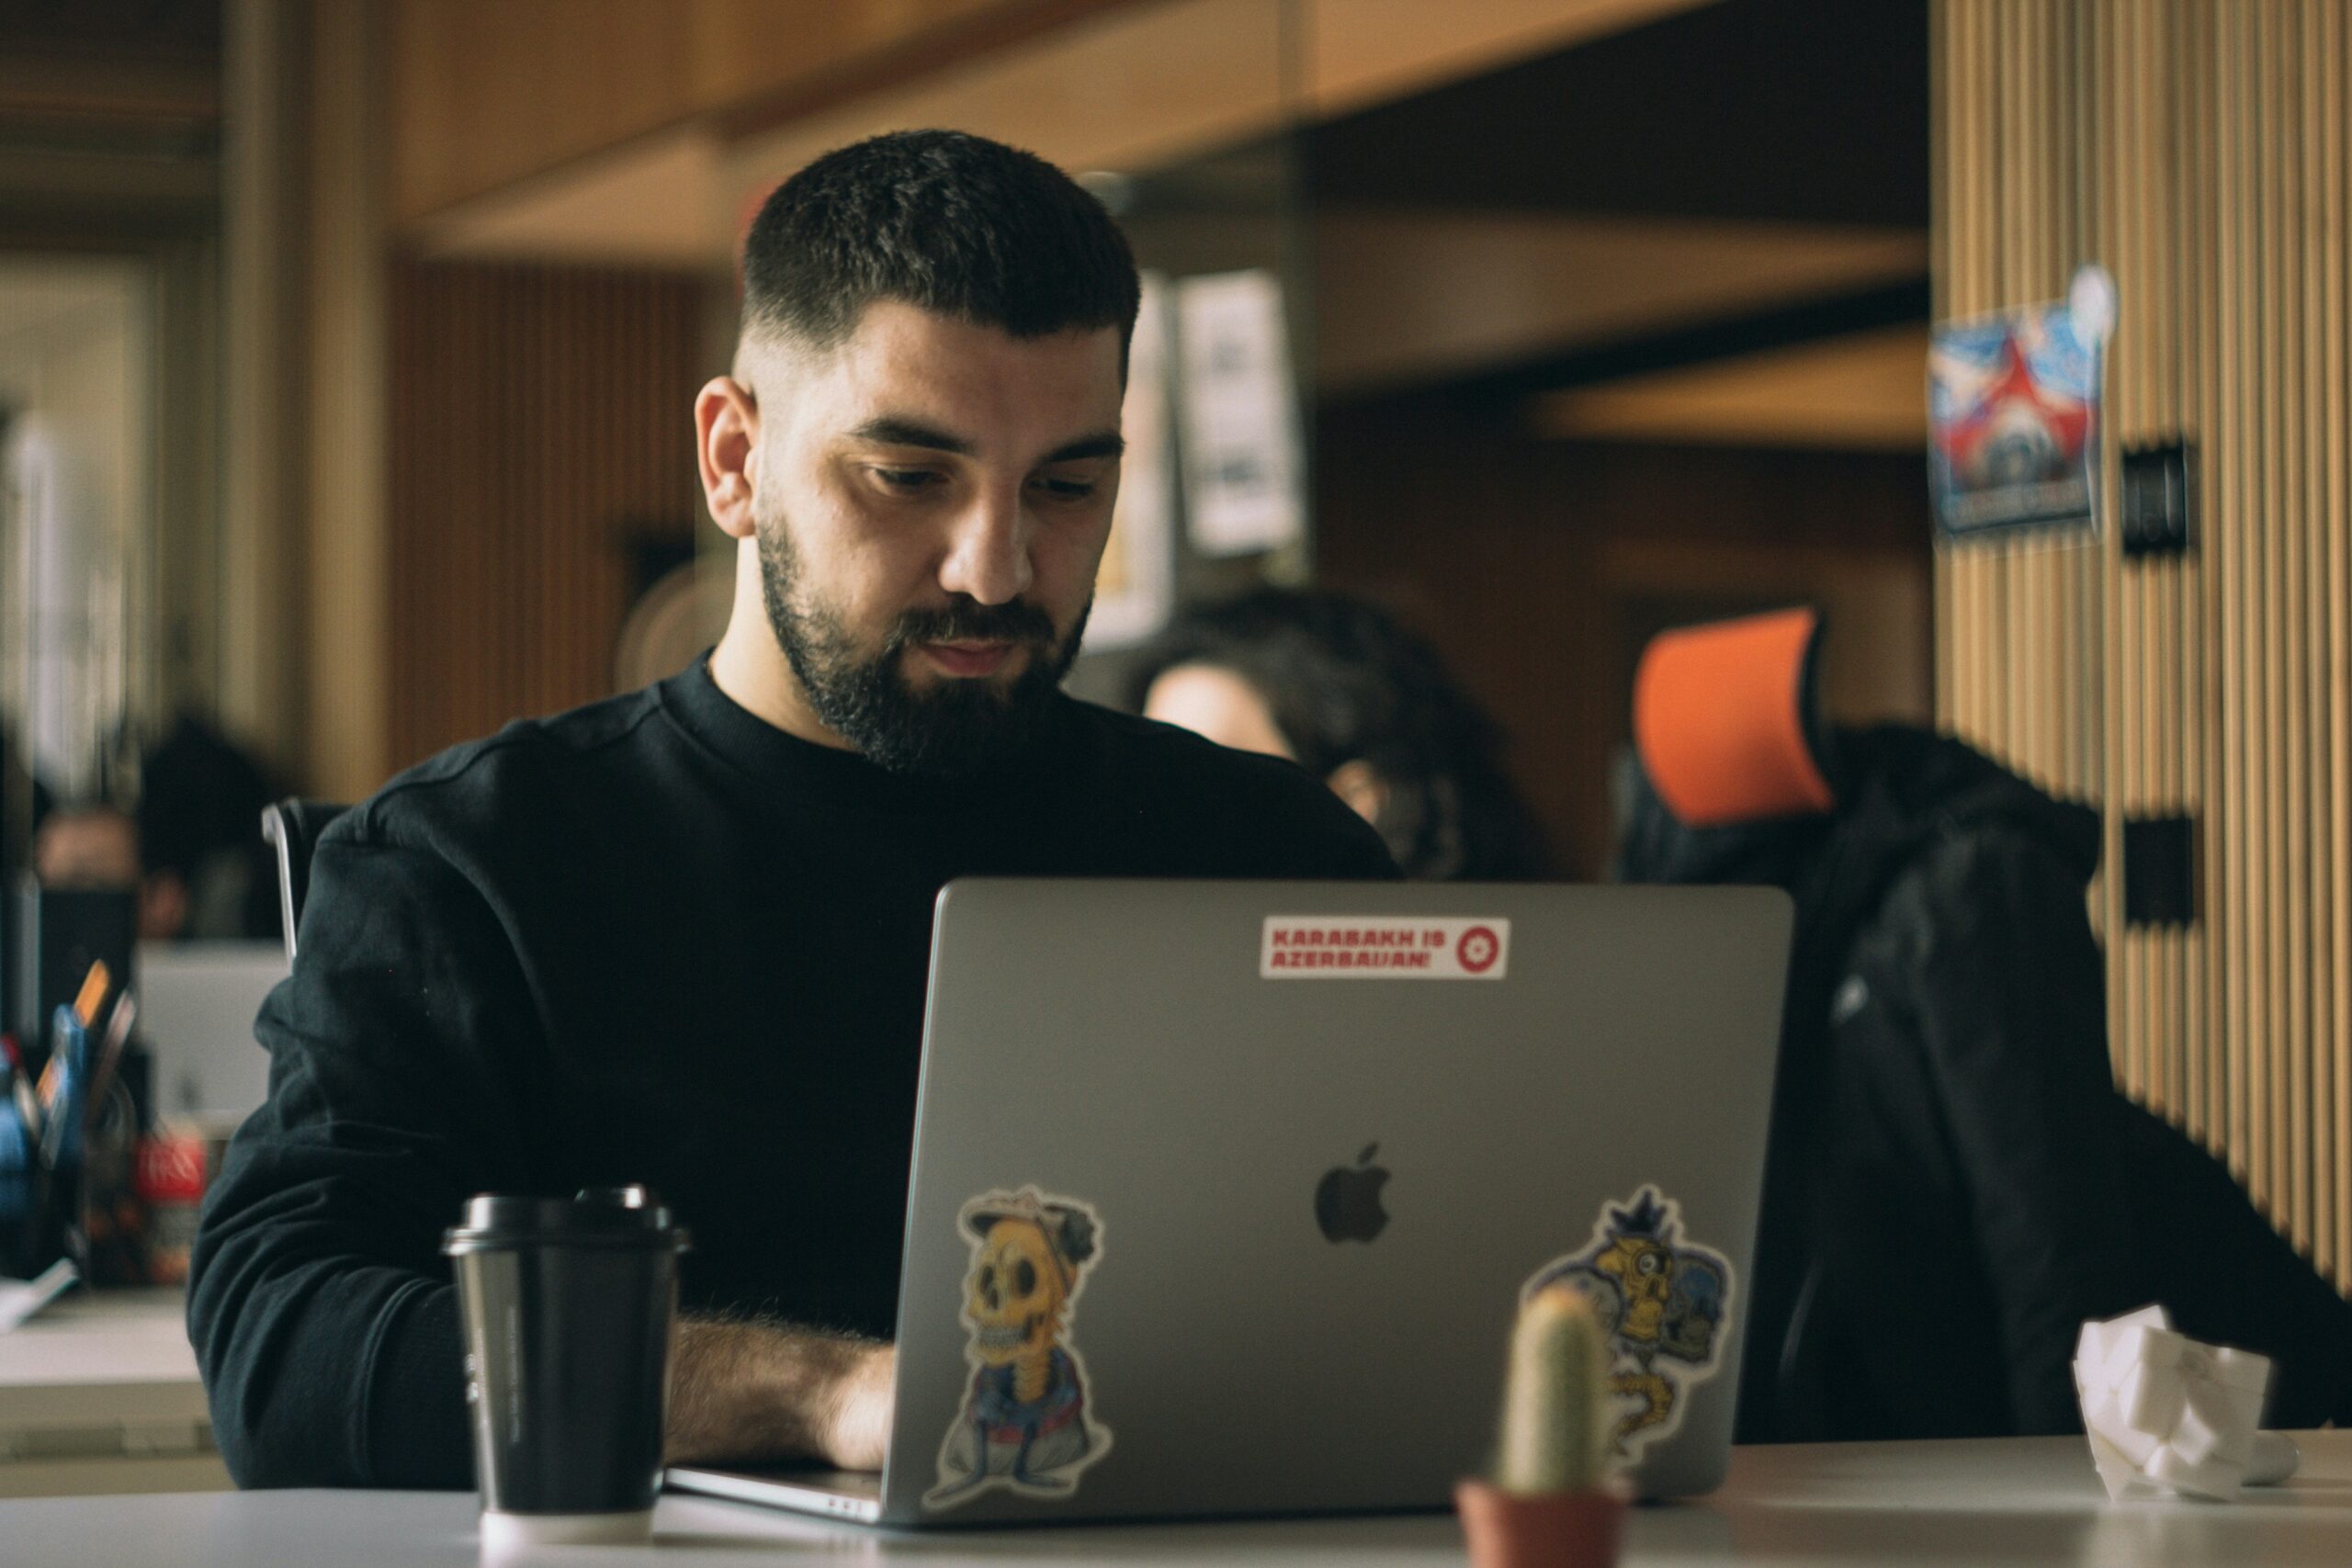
(746, 1392)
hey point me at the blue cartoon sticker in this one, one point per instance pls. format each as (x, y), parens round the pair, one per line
(1664, 1302)
(1025, 1425)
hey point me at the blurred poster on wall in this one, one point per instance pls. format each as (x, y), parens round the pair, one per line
(2013, 402)
(1135, 588)
(1235, 402)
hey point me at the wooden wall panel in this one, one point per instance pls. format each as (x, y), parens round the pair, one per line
(2199, 151)
(542, 429)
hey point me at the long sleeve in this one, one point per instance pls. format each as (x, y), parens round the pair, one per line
(2012, 1006)
(319, 1306)
(656, 941)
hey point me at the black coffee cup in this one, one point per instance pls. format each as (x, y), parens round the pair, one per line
(567, 1310)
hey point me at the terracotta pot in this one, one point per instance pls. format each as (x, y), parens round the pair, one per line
(1559, 1530)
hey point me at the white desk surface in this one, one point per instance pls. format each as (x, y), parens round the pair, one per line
(99, 1394)
(2015, 1502)
(101, 1337)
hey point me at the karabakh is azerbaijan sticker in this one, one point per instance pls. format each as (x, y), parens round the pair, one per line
(1664, 1301)
(1383, 947)
(1024, 1425)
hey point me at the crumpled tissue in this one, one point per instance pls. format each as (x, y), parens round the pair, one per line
(2169, 1415)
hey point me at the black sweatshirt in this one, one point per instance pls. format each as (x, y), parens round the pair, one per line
(654, 939)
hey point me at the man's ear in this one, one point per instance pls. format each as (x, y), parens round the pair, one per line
(1360, 784)
(727, 439)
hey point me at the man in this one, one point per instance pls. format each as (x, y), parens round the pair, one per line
(199, 795)
(86, 846)
(681, 937)
(191, 854)
(83, 848)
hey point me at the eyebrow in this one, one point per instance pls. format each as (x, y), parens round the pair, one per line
(890, 431)
(1102, 443)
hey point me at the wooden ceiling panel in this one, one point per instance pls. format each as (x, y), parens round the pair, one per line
(498, 150)
(656, 205)
(1139, 86)
(490, 98)
(1368, 51)
(1405, 297)
(484, 96)
(1866, 391)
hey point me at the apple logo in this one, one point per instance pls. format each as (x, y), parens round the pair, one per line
(1347, 1200)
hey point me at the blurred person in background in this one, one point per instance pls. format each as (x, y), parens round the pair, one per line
(83, 847)
(193, 850)
(200, 801)
(1339, 687)
(23, 801)
(1954, 1184)
(94, 848)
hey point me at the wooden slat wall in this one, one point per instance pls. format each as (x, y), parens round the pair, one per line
(2199, 151)
(542, 421)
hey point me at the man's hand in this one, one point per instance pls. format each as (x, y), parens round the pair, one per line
(857, 1431)
(747, 1392)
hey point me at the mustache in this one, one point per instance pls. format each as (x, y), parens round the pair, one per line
(971, 621)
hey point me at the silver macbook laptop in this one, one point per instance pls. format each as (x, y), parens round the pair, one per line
(1225, 1194)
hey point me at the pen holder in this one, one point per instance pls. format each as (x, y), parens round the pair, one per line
(20, 1200)
(113, 1220)
(36, 1203)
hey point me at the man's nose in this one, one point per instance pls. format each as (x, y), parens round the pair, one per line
(988, 550)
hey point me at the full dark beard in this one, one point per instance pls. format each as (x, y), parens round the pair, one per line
(958, 727)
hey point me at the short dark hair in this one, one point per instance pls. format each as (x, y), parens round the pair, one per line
(951, 223)
(1344, 681)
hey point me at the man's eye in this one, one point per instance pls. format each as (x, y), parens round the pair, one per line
(907, 478)
(1066, 490)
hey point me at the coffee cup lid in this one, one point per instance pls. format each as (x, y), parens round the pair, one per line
(598, 1216)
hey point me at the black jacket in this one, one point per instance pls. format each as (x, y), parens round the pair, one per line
(652, 940)
(1953, 1184)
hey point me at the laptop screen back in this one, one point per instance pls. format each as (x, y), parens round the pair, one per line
(1225, 1194)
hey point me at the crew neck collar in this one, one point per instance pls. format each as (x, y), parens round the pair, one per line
(829, 776)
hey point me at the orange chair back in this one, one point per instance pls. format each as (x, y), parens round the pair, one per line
(1722, 716)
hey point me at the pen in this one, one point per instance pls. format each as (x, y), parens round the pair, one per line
(52, 1075)
(93, 992)
(126, 1013)
(61, 1083)
(60, 1114)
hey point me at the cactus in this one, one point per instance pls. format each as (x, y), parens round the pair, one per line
(1553, 1405)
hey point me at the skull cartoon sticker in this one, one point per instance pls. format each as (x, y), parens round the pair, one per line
(1665, 1303)
(1025, 1425)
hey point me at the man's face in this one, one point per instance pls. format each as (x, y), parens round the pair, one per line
(85, 850)
(931, 500)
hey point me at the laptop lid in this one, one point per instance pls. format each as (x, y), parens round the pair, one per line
(1225, 1193)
